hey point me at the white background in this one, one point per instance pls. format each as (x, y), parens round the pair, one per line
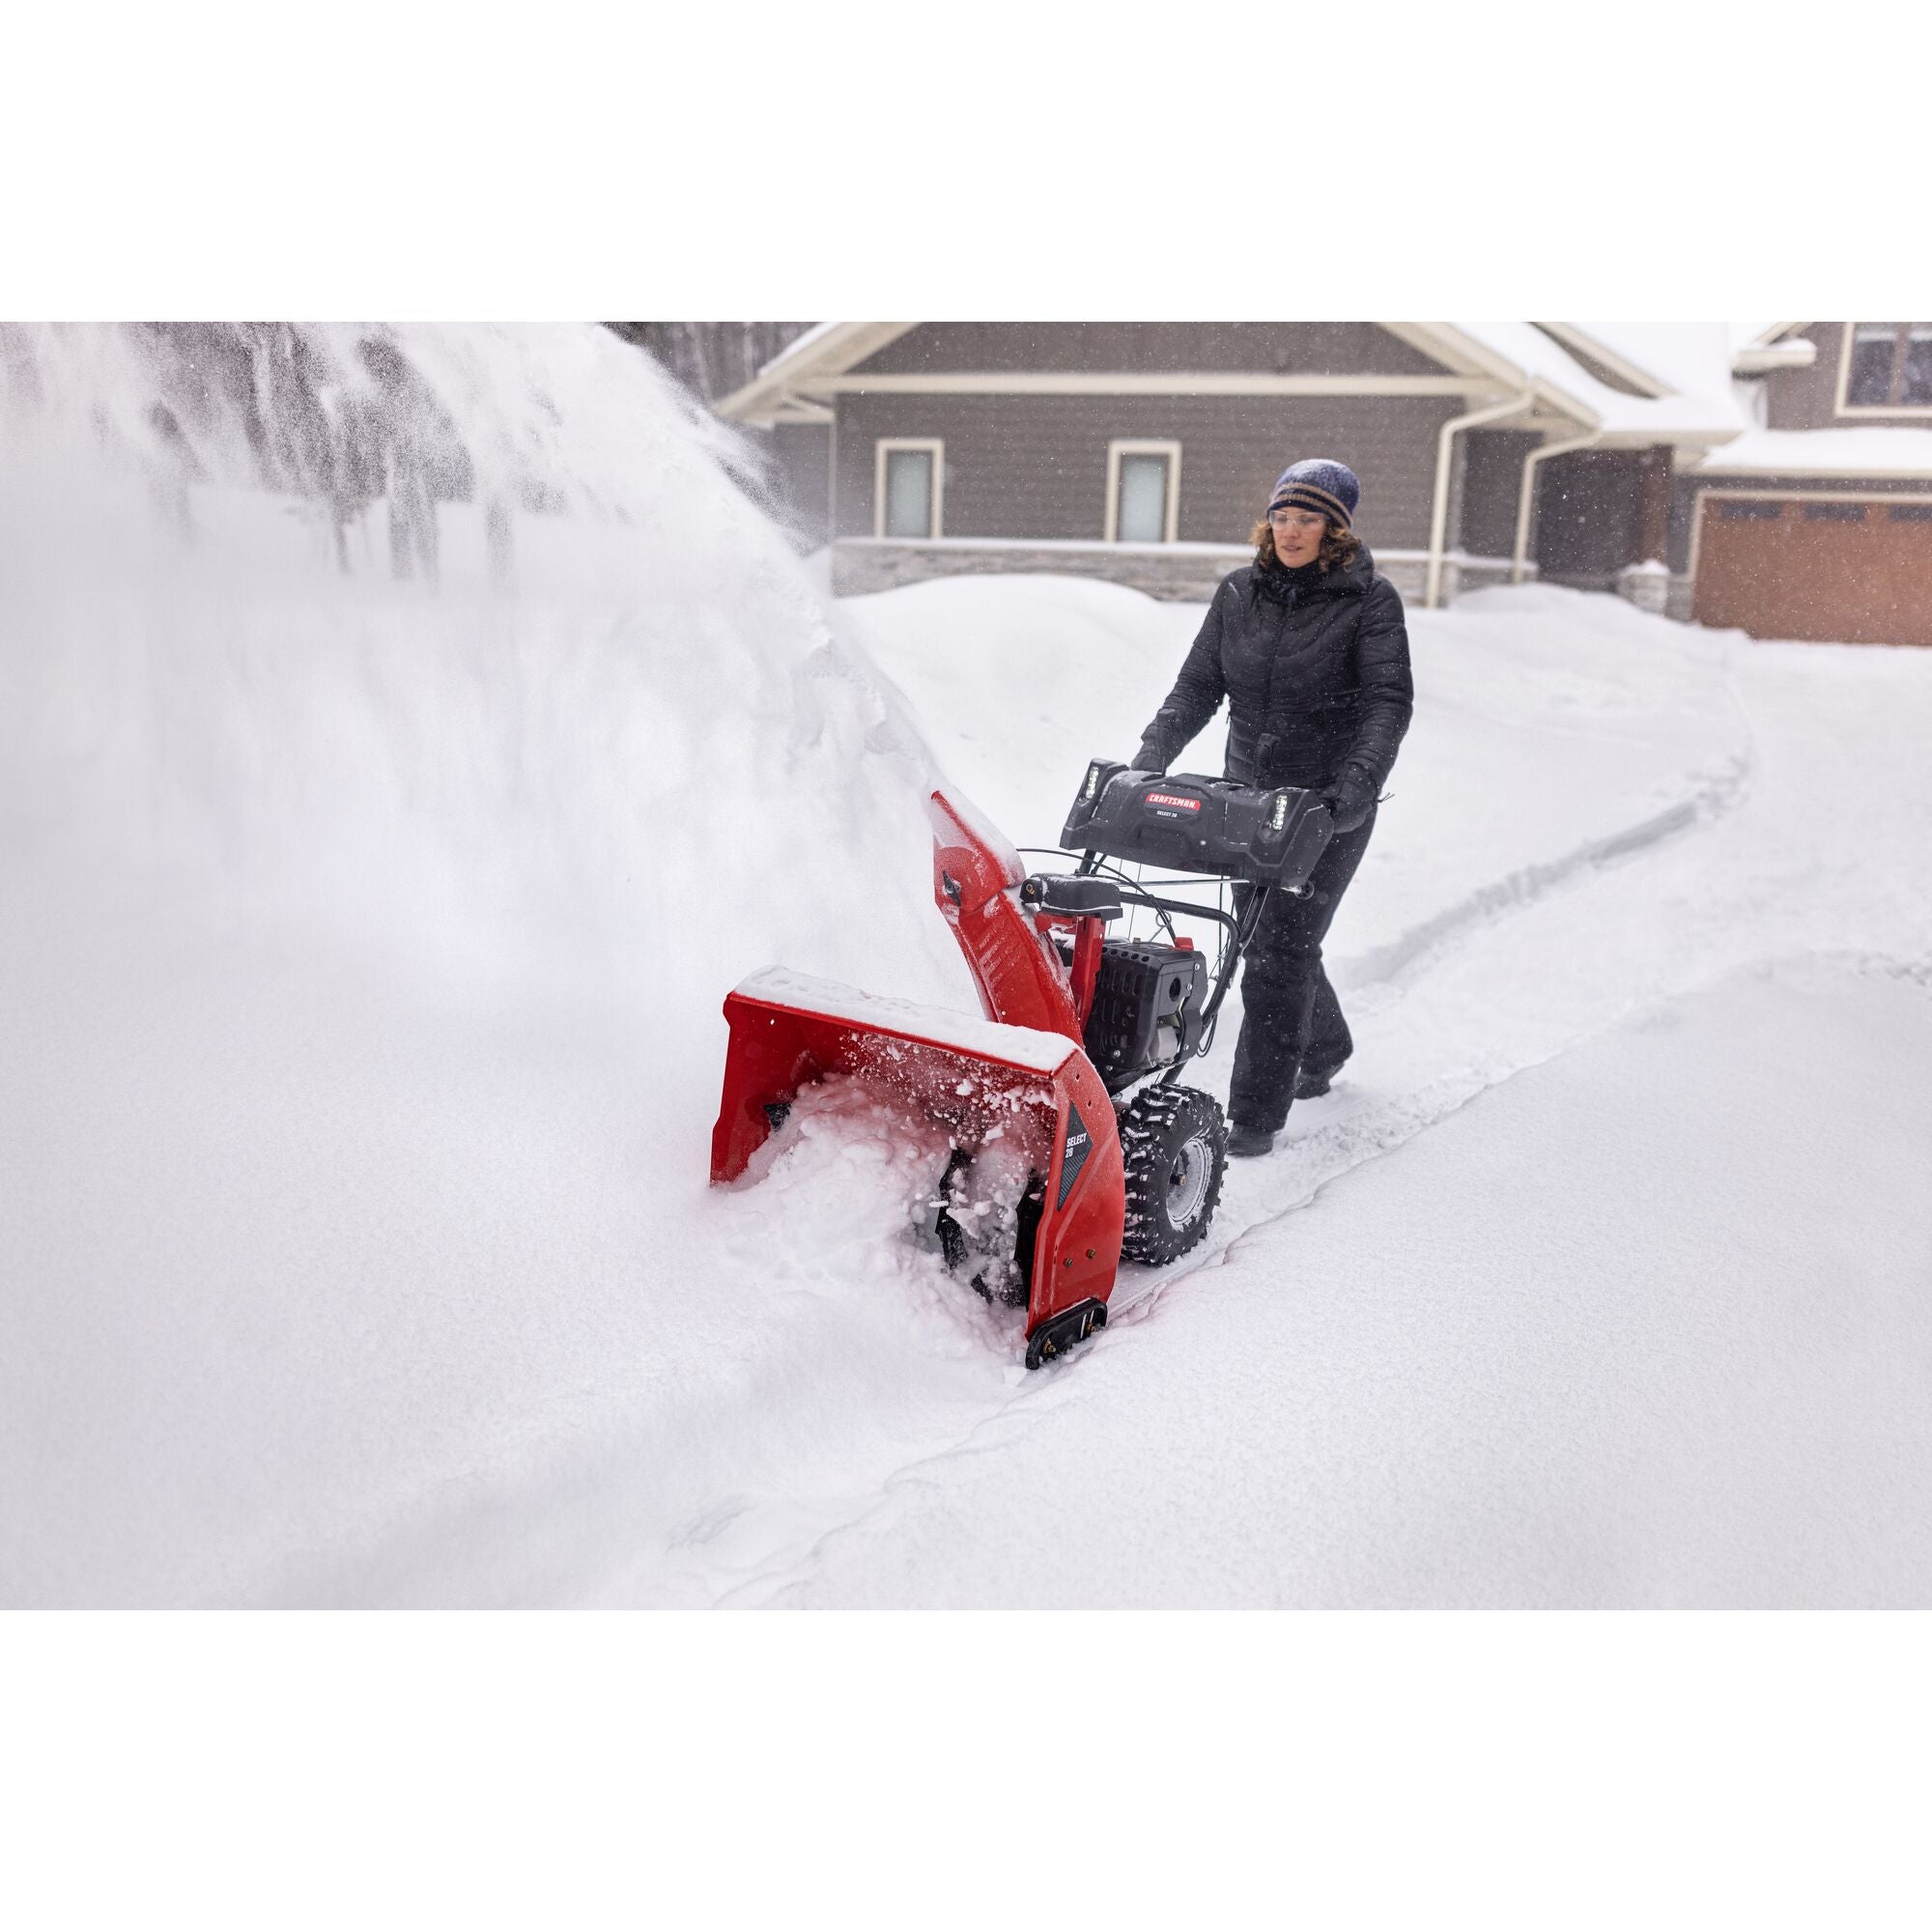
(491, 161)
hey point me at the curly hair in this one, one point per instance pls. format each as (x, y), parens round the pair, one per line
(1339, 547)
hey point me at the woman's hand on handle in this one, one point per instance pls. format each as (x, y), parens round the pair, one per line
(1350, 798)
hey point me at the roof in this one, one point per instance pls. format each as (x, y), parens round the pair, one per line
(829, 349)
(1861, 451)
(1674, 378)
(1683, 366)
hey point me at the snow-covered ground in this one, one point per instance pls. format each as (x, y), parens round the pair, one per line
(361, 1046)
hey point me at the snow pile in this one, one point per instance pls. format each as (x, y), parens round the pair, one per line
(620, 719)
(367, 941)
(1549, 729)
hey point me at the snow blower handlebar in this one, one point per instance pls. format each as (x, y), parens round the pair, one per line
(1265, 840)
(1213, 826)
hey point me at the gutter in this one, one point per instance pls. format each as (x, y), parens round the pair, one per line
(1438, 515)
(1762, 358)
(1527, 496)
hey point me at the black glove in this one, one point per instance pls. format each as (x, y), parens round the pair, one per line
(1351, 799)
(1148, 758)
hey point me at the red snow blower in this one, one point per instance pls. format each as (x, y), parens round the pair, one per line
(1071, 1141)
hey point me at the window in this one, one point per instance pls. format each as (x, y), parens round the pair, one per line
(1889, 366)
(1834, 513)
(1740, 509)
(908, 486)
(1911, 513)
(1143, 492)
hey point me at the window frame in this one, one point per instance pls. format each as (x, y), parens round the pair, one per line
(1121, 446)
(887, 445)
(1844, 406)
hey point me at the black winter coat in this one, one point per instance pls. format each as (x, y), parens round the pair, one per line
(1314, 679)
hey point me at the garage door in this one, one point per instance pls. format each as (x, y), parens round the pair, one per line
(1859, 573)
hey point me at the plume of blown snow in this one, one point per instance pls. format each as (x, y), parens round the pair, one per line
(461, 653)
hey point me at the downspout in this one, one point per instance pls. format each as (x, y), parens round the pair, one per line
(1526, 499)
(1438, 515)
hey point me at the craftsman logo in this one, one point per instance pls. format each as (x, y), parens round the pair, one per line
(1079, 1144)
(1169, 798)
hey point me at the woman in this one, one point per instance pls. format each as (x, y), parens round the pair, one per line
(1307, 644)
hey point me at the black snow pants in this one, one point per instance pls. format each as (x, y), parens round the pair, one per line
(1291, 1016)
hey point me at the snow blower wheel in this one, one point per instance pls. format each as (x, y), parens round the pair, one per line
(1173, 1141)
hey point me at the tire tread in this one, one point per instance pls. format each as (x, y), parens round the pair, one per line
(1155, 1124)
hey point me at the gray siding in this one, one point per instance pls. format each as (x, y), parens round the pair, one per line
(1587, 513)
(1249, 348)
(799, 455)
(1802, 398)
(1491, 477)
(1036, 467)
(1806, 398)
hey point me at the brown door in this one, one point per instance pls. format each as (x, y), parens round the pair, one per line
(1850, 573)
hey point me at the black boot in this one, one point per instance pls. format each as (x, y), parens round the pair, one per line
(1245, 1143)
(1311, 1082)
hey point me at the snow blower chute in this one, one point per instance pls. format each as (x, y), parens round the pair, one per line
(1069, 1085)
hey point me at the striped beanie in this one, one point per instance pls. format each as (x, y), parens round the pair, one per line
(1317, 484)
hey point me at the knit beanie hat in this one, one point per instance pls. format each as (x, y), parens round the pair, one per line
(1317, 484)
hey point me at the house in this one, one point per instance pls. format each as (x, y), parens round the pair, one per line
(1143, 451)
(1658, 460)
(1816, 520)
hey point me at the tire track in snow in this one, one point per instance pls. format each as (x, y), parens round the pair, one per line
(1358, 1138)
(1526, 888)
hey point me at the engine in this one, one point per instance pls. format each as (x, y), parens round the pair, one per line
(1147, 1002)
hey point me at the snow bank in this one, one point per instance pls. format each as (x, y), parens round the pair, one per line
(367, 939)
(1021, 680)
(1550, 727)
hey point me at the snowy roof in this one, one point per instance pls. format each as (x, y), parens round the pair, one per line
(1687, 365)
(1691, 359)
(1863, 451)
(827, 348)
(1682, 370)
